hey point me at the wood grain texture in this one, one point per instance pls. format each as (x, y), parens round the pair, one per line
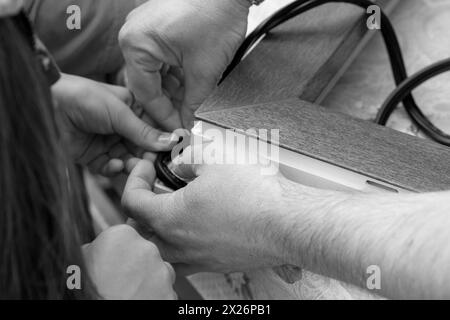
(300, 58)
(424, 30)
(360, 146)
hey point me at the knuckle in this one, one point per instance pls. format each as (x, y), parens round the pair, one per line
(122, 230)
(150, 249)
(127, 36)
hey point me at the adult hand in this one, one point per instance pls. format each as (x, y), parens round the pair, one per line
(228, 219)
(101, 129)
(176, 52)
(122, 265)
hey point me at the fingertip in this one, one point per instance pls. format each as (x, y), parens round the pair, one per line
(113, 167)
(168, 140)
(149, 156)
(182, 132)
(155, 140)
(131, 164)
(139, 200)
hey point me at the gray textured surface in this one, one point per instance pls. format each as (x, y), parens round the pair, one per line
(423, 27)
(299, 58)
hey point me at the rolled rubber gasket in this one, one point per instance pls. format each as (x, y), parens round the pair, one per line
(164, 174)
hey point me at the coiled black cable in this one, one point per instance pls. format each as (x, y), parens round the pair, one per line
(409, 85)
(392, 45)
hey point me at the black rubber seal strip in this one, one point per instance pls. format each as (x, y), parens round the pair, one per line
(164, 174)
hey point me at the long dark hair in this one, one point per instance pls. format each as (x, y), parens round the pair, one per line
(39, 236)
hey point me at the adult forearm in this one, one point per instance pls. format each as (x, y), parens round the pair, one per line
(341, 235)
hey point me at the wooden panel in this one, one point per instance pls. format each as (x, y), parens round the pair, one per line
(363, 147)
(300, 58)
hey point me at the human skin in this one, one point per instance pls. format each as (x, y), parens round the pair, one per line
(176, 51)
(99, 127)
(124, 266)
(232, 218)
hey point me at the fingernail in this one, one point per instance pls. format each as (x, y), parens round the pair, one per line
(168, 138)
